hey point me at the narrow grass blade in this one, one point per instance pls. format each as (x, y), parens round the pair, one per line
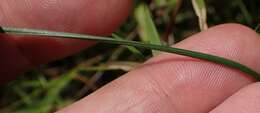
(135, 51)
(147, 27)
(194, 54)
(119, 65)
(24, 97)
(245, 12)
(54, 88)
(200, 9)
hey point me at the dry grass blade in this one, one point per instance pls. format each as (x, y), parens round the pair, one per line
(118, 65)
(200, 10)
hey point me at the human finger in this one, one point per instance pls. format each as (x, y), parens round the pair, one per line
(171, 83)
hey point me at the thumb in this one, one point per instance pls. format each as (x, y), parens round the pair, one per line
(80, 16)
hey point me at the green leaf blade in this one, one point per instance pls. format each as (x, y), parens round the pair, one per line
(147, 27)
(135, 51)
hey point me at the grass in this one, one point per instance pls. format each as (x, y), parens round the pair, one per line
(84, 73)
(147, 30)
(201, 11)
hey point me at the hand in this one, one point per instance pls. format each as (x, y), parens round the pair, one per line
(168, 83)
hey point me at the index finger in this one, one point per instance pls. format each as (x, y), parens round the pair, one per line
(171, 83)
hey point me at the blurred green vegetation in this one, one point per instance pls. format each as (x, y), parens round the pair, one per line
(55, 85)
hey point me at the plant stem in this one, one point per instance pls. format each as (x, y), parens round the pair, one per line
(194, 54)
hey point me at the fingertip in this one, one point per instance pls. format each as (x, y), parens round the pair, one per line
(236, 31)
(245, 100)
(232, 41)
(234, 27)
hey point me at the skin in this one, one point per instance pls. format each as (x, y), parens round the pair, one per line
(167, 83)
